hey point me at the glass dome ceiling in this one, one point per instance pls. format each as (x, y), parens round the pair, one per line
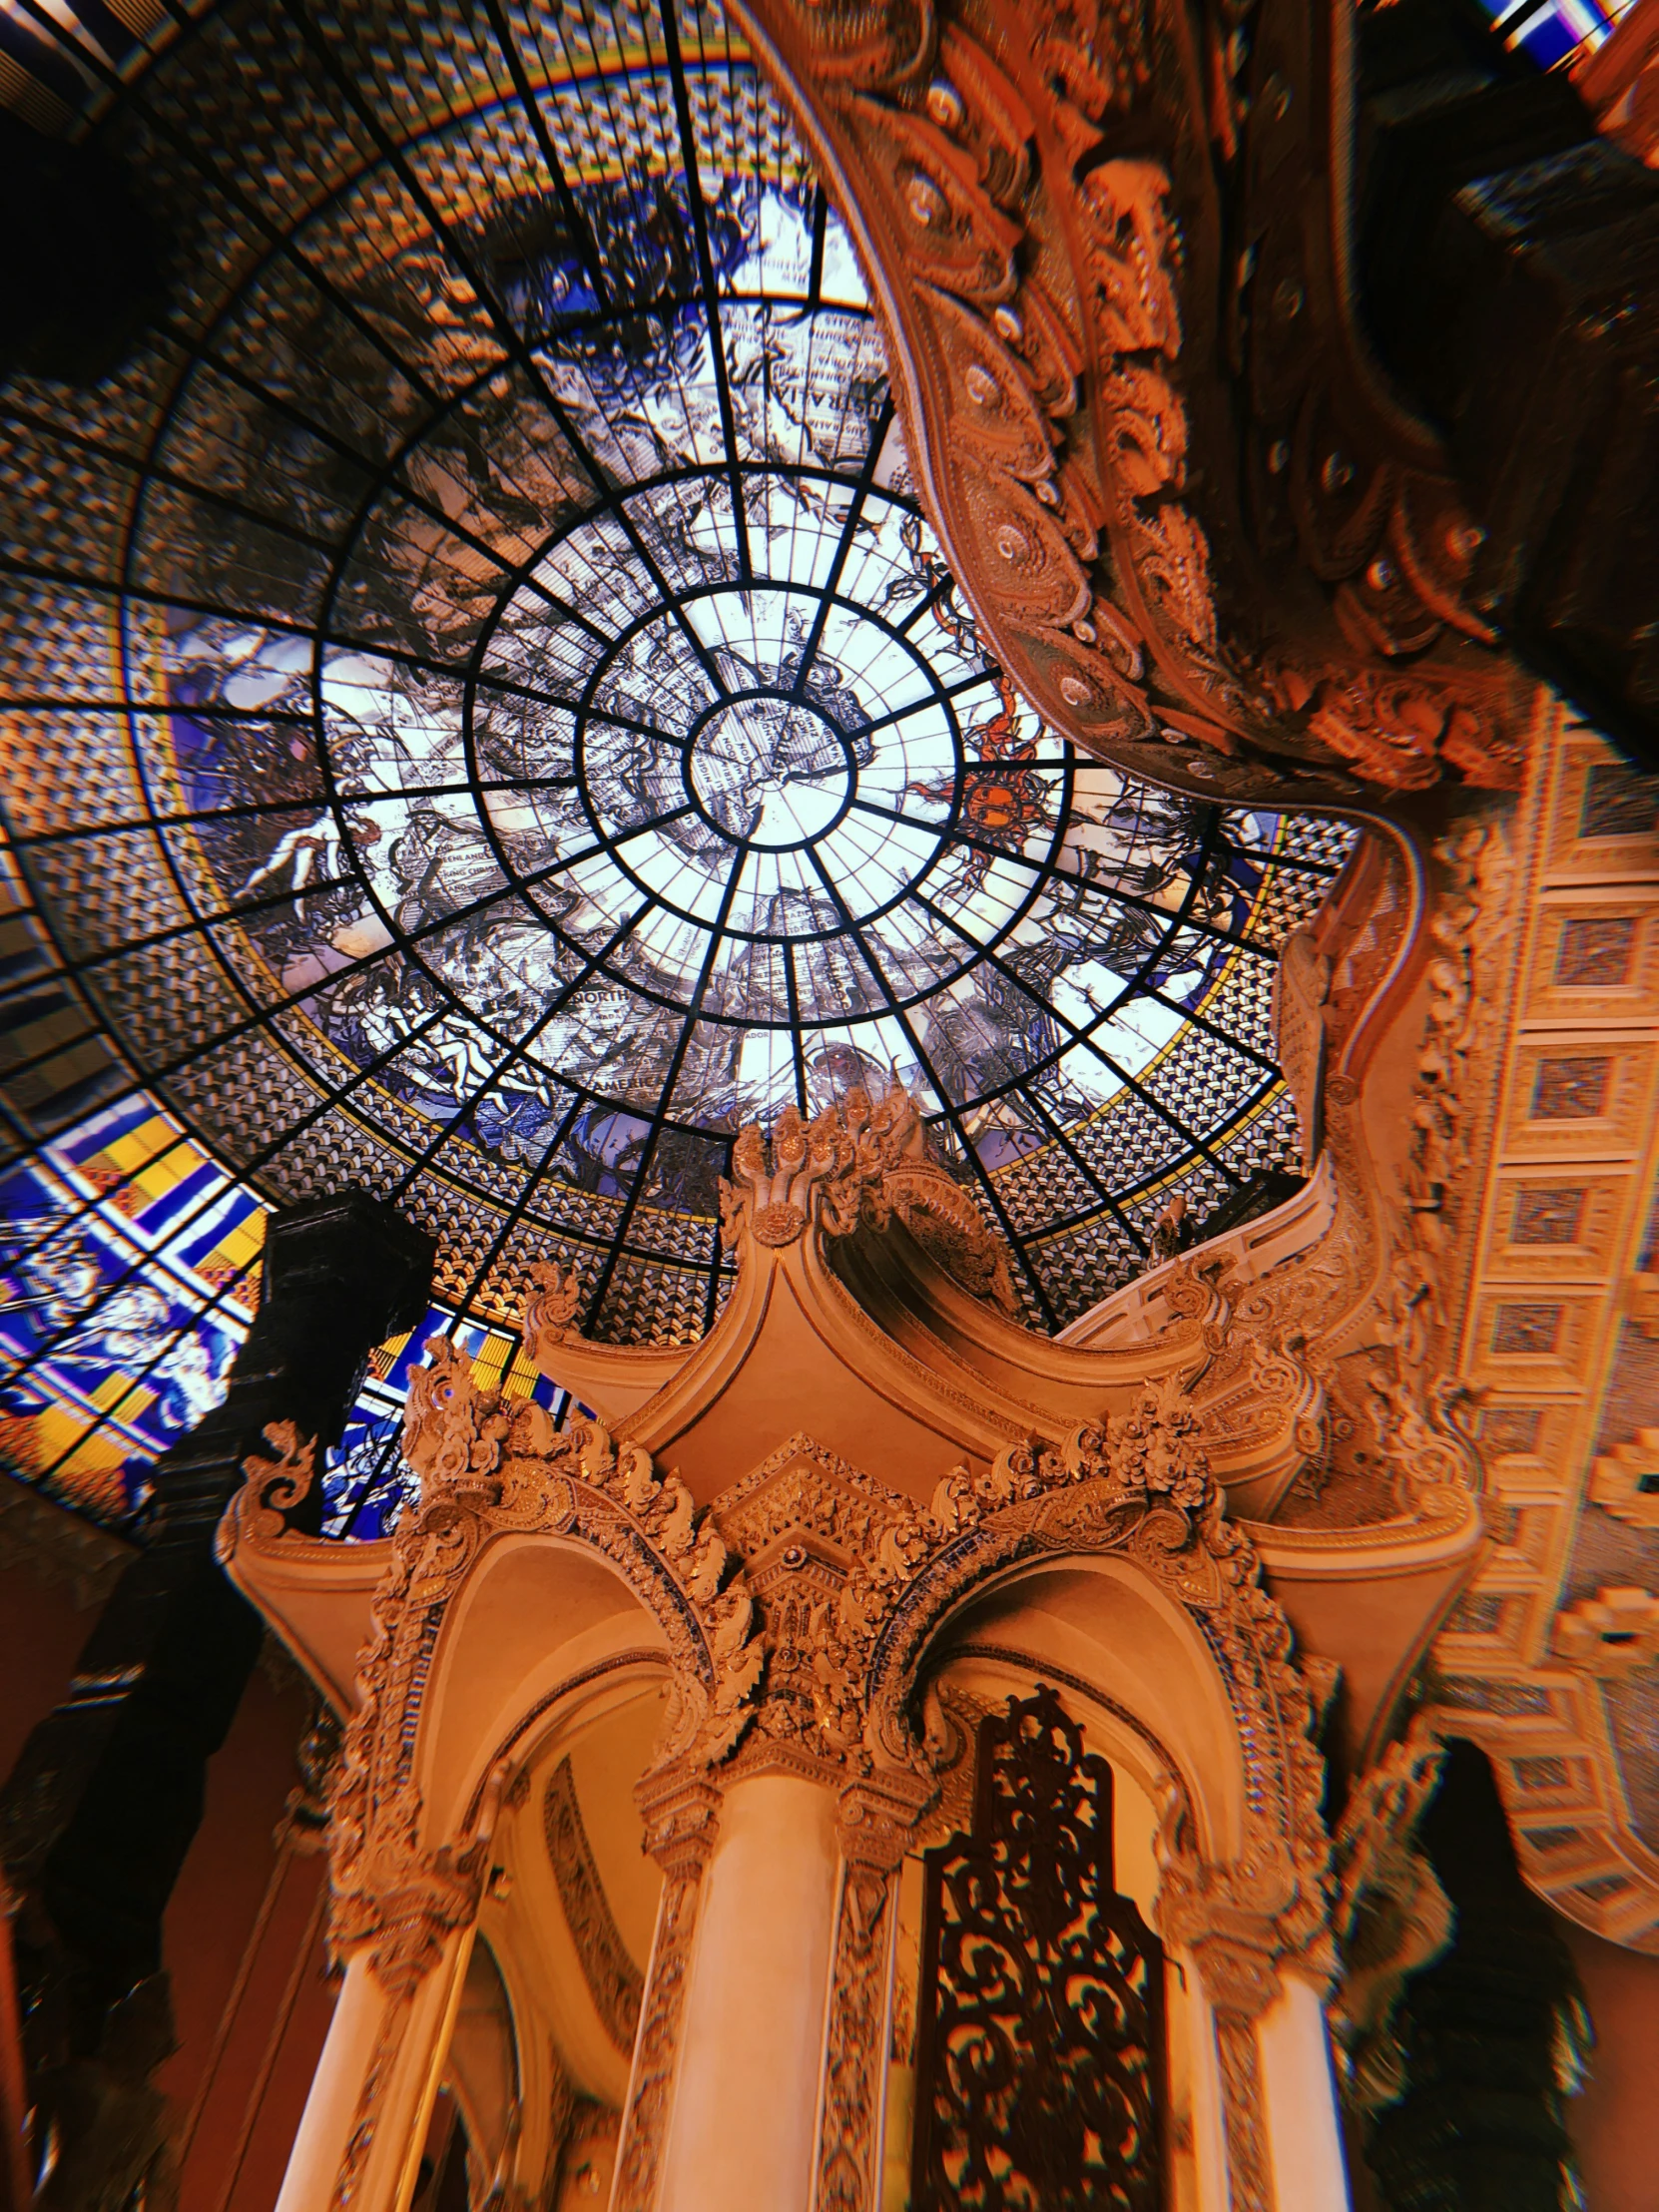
(491, 717)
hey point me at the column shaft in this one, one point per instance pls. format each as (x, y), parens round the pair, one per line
(741, 2130)
(1299, 2095)
(360, 2137)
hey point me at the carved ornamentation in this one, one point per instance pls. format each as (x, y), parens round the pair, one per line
(365, 2120)
(1416, 1410)
(1140, 1488)
(1241, 2079)
(613, 1979)
(681, 1822)
(552, 1304)
(1040, 194)
(271, 1493)
(1040, 2059)
(869, 1575)
(858, 1165)
(490, 1467)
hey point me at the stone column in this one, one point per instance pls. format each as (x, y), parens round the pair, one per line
(1207, 2096)
(761, 2065)
(365, 2125)
(741, 2124)
(681, 1819)
(1299, 2095)
(1278, 2090)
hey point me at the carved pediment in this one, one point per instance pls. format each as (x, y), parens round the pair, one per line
(804, 1503)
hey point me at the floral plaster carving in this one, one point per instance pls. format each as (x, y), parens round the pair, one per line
(860, 1163)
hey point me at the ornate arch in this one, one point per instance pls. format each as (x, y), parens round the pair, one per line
(492, 1467)
(850, 1709)
(1138, 1491)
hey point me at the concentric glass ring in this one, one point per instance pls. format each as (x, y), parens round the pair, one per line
(523, 728)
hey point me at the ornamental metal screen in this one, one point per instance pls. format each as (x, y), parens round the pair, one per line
(1040, 2060)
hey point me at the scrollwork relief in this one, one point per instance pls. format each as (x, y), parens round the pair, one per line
(1039, 195)
(490, 1467)
(612, 1977)
(860, 1164)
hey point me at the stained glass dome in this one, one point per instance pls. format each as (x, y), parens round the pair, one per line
(489, 717)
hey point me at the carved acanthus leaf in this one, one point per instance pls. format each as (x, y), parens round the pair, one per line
(270, 1492)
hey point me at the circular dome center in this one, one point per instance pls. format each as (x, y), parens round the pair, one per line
(770, 769)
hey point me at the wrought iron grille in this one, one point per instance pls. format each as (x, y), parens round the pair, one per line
(1040, 2056)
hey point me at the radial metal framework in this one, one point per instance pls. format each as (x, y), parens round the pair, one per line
(488, 715)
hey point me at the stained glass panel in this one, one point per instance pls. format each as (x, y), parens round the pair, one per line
(487, 714)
